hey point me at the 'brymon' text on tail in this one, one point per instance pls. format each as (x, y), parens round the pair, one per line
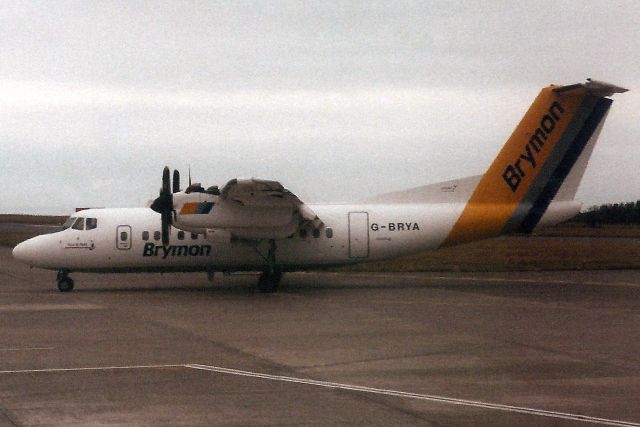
(551, 145)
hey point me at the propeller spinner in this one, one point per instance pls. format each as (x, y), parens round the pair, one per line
(163, 204)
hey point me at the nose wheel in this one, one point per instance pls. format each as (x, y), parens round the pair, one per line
(65, 283)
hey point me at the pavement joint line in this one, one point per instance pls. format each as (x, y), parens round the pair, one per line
(432, 398)
(27, 349)
(508, 280)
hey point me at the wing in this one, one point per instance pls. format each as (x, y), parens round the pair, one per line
(261, 193)
(245, 209)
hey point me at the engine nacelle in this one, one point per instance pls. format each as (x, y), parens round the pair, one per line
(218, 235)
(204, 211)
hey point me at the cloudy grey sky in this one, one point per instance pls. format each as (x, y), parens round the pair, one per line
(337, 100)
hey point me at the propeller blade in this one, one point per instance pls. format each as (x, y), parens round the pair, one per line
(189, 175)
(176, 181)
(163, 204)
(166, 223)
(166, 185)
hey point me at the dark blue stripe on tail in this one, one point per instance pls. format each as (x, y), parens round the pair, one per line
(564, 167)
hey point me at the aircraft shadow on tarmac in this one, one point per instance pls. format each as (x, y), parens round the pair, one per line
(246, 285)
(544, 291)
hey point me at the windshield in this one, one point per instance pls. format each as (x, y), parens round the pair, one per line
(69, 222)
(79, 224)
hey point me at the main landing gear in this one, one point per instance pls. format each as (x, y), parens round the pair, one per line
(269, 281)
(270, 278)
(65, 283)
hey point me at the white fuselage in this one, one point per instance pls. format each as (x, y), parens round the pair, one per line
(357, 233)
(351, 234)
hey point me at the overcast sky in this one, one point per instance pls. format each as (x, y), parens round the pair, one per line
(336, 100)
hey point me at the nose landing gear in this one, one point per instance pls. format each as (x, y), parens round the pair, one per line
(65, 283)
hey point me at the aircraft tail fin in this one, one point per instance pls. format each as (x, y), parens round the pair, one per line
(544, 158)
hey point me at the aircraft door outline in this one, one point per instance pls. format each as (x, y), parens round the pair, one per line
(358, 234)
(123, 237)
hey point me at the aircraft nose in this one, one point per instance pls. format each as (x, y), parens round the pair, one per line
(20, 252)
(40, 251)
(25, 252)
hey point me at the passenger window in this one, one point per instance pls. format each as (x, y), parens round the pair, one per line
(79, 224)
(328, 232)
(123, 236)
(316, 233)
(180, 235)
(303, 233)
(194, 236)
(92, 223)
(69, 222)
(156, 235)
(145, 235)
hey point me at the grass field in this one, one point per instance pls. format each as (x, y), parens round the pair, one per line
(12, 238)
(572, 229)
(33, 219)
(565, 247)
(515, 253)
(569, 246)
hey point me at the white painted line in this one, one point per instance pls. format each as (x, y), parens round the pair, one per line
(94, 368)
(350, 387)
(432, 398)
(26, 349)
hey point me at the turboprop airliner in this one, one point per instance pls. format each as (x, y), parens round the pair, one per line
(258, 225)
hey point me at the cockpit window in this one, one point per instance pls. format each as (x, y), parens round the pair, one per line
(79, 224)
(69, 222)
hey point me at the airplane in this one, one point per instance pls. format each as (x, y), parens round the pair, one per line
(259, 225)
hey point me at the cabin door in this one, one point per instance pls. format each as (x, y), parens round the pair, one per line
(358, 234)
(123, 237)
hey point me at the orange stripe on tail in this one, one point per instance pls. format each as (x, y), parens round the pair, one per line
(531, 166)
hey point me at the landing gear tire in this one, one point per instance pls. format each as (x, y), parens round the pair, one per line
(65, 283)
(269, 281)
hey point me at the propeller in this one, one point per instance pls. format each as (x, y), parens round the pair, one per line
(176, 181)
(164, 203)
